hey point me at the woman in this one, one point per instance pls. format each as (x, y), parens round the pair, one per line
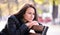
(22, 22)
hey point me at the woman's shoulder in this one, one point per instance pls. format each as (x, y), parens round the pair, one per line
(15, 19)
(12, 17)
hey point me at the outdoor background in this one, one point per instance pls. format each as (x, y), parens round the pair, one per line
(48, 12)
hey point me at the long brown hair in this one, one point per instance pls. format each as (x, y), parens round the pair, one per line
(20, 14)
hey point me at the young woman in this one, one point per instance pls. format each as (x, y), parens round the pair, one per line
(22, 22)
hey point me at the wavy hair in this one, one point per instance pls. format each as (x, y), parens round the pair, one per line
(21, 12)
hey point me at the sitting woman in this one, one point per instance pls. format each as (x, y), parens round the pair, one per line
(21, 22)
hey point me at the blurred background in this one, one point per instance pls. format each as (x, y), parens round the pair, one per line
(48, 12)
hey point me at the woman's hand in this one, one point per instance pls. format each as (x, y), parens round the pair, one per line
(31, 23)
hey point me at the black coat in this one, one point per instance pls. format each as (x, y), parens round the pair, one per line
(15, 27)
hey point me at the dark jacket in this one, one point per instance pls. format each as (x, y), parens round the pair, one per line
(15, 27)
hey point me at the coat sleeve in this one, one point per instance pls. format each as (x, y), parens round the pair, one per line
(23, 29)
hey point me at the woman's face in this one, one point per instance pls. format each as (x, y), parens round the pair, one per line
(29, 14)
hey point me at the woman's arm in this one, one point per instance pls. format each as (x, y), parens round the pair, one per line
(13, 29)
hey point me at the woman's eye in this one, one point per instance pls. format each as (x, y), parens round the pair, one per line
(32, 13)
(29, 13)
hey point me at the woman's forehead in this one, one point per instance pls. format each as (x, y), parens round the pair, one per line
(30, 9)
